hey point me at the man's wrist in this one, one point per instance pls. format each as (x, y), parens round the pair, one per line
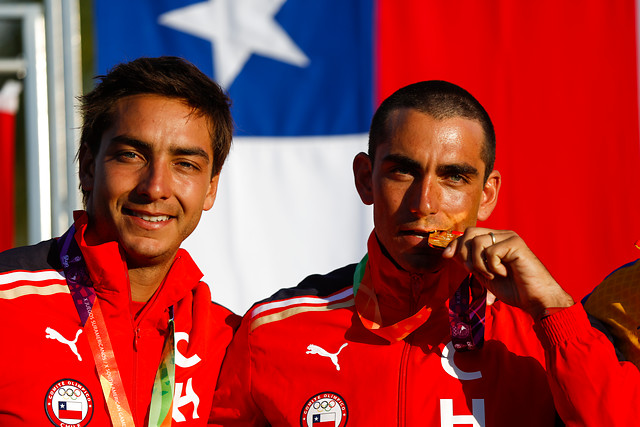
(549, 311)
(552, 308)
(553, 301)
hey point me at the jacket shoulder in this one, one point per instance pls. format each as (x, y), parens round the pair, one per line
(317, 285)
(31, 271)
(223, 314)
(612, 308)
(216, 313)
(42, 256)
(619, 282)
(315, 293)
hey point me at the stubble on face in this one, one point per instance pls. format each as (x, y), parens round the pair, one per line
(427, 176)
(150, 179)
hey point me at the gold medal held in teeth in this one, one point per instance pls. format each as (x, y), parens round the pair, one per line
(442, 238)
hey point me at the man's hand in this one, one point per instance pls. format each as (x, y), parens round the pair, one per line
(505, 265)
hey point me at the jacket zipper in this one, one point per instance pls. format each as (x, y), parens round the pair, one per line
(402, 392)
(136, 337)
(406, 350)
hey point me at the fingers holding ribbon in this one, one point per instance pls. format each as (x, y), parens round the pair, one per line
(506, 266)
(481, 251)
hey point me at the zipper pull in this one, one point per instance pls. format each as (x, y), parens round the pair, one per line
(136, 337)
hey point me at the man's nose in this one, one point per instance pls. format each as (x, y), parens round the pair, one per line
(155, 182)
(425, 197)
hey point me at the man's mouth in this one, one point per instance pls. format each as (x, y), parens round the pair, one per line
(417, 233)
(416, 237)
(147, 217)
(436, 238)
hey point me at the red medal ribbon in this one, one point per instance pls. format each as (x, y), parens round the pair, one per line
(368, 308)
(466, 319)
(92, 319)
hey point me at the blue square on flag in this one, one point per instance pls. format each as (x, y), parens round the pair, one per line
(292, 67)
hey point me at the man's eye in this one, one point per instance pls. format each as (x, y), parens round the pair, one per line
(187, 165)
(457, 178)
(401, 171)
(127, 155)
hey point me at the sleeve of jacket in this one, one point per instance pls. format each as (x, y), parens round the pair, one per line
(590, 386)
(233, 403)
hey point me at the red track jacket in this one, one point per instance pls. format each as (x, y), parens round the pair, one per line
(592, 388)
(303, 357)
(48, 370)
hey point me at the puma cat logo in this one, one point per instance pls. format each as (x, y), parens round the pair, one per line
(55, 335)
(314, 349)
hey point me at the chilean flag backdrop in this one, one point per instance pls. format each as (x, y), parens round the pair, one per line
(7, 149)
(559, 80)
(9, 104)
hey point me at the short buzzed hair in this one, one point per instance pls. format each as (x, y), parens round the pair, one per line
(441, 100)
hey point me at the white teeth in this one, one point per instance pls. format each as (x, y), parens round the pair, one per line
(153, 218)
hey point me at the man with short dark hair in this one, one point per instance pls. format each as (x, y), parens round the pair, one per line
(110, 324)
(424, 330)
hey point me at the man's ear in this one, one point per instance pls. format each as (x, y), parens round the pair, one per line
(489, 195)
(212, 192)
(363, 175)
(87, 166)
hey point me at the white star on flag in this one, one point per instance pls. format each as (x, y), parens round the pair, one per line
(237, 28)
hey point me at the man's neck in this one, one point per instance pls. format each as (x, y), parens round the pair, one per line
(145, 281)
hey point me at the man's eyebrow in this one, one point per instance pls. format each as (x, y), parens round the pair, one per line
(456, 169)
(444, 170)
(400, 159)
(136, 143)
(190, 151)
(175, 150)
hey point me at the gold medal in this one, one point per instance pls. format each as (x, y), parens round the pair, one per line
(442, 238)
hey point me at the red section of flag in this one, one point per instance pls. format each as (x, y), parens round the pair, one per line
(7, 159)
(70, 415)
(560, 83)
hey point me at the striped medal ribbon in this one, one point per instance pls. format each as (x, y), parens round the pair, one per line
(92, 320)
(466, 318)
(369, 310)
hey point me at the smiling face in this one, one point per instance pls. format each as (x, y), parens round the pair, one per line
(150, 180)
(427, 176)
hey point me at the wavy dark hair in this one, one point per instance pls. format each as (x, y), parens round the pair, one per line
(167, 76)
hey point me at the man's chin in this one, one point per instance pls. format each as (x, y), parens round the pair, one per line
(147, 253)
(425, 262)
